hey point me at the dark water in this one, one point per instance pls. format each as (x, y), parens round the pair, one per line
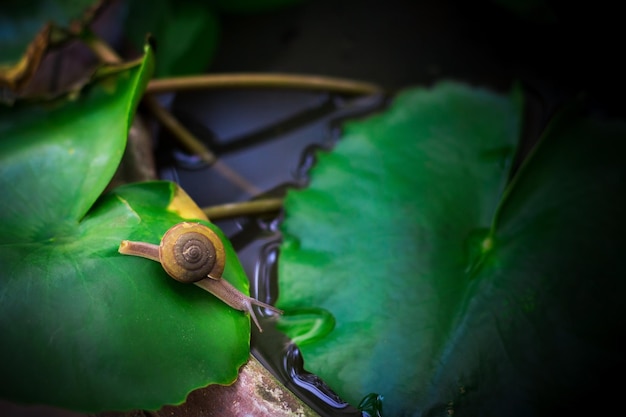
(270, 138)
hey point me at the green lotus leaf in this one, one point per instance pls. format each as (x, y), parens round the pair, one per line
(83, 326)
(450, 293)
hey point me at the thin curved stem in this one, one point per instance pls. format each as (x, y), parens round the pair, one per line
(184, 136)
(256, 80)
(171, 123)
(195, 146)
(244, 208)
(99, 47)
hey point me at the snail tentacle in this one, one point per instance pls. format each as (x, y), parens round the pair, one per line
(143, 249)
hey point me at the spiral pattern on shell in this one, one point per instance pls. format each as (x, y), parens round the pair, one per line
(195, 253)
(190, 252)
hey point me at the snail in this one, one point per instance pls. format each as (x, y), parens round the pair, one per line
(193, 253)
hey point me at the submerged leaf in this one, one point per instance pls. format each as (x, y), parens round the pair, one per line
(25, 34)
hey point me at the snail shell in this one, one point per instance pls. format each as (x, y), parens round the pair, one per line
(190, 252)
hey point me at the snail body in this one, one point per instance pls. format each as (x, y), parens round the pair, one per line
(193, 253)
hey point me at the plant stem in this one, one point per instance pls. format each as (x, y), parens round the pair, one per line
(195, 146)
(254, 80)
(169, 122)
(184, 136)
(245, 208)
(99, 47)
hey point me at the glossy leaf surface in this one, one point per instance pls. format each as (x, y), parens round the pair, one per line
(82, 326)
(441, 305)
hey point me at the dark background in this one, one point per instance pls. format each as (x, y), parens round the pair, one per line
(558, 49)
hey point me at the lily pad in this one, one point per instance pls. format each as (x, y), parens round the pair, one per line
(450, 293)
(82, 326)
